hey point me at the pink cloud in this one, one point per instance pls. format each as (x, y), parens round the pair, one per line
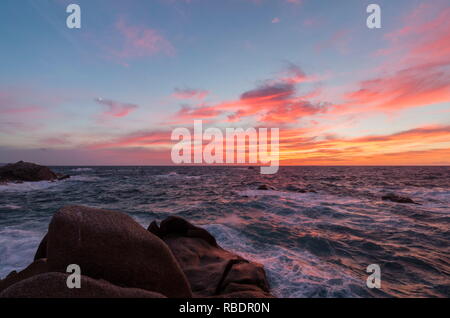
(310, 22)
(139, 41)
(339, 40)
(116, 109)
(189, 93)
(14, 102)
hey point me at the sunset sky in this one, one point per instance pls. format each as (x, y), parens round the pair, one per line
(111, 92)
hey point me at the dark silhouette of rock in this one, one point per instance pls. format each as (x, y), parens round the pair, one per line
(54, 285)
(395, 198)
(27, 171)
(211, 270)
(264, 187)
(178, 226)
(41, 252)
(112, 246)
(62, 176)
(294, 188)
(38, 267)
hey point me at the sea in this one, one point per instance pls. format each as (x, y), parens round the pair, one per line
(315, 229)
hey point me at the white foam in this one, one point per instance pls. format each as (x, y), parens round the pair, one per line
(27, 186)
(291, 272)
(10, 207)
(309, 199)
(84, 178)
(173, 174)
(17, 248)
(82, 169)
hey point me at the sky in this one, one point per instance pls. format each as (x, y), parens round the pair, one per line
(112, 92)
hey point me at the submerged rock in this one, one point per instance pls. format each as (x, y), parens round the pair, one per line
(293, 188)
(26, 171)
(396, 198)
(265, 187)
(62, 176)
(211, 270)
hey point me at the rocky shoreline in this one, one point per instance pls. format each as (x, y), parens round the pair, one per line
(119, 258)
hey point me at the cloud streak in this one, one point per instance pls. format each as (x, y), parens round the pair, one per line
(189, 93)
(114, 108)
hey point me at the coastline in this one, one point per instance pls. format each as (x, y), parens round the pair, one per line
(115, 256)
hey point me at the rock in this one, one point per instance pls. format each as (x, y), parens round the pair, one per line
(112, 246)
(243, 272)
(38, 267)
(26, 171)
(294, 188)
(178, 226)
(62, 176)
(264, 187)
(41, 252)
(211, 270)
(395, 198)
(119, 258)
(54, 285)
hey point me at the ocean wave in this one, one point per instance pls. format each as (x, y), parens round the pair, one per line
(291, 272)
(308, 199)
(17, 247)
(311, 244)
(10, 207)
(28, 186)
(84, 178)
(82, 169)
(44, 185)
(174, 174)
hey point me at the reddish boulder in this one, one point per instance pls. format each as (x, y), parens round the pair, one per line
(54, 285)
(211, 270)
(112, 246)
(38, 267)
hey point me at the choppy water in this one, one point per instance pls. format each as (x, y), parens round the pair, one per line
(311, 244)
